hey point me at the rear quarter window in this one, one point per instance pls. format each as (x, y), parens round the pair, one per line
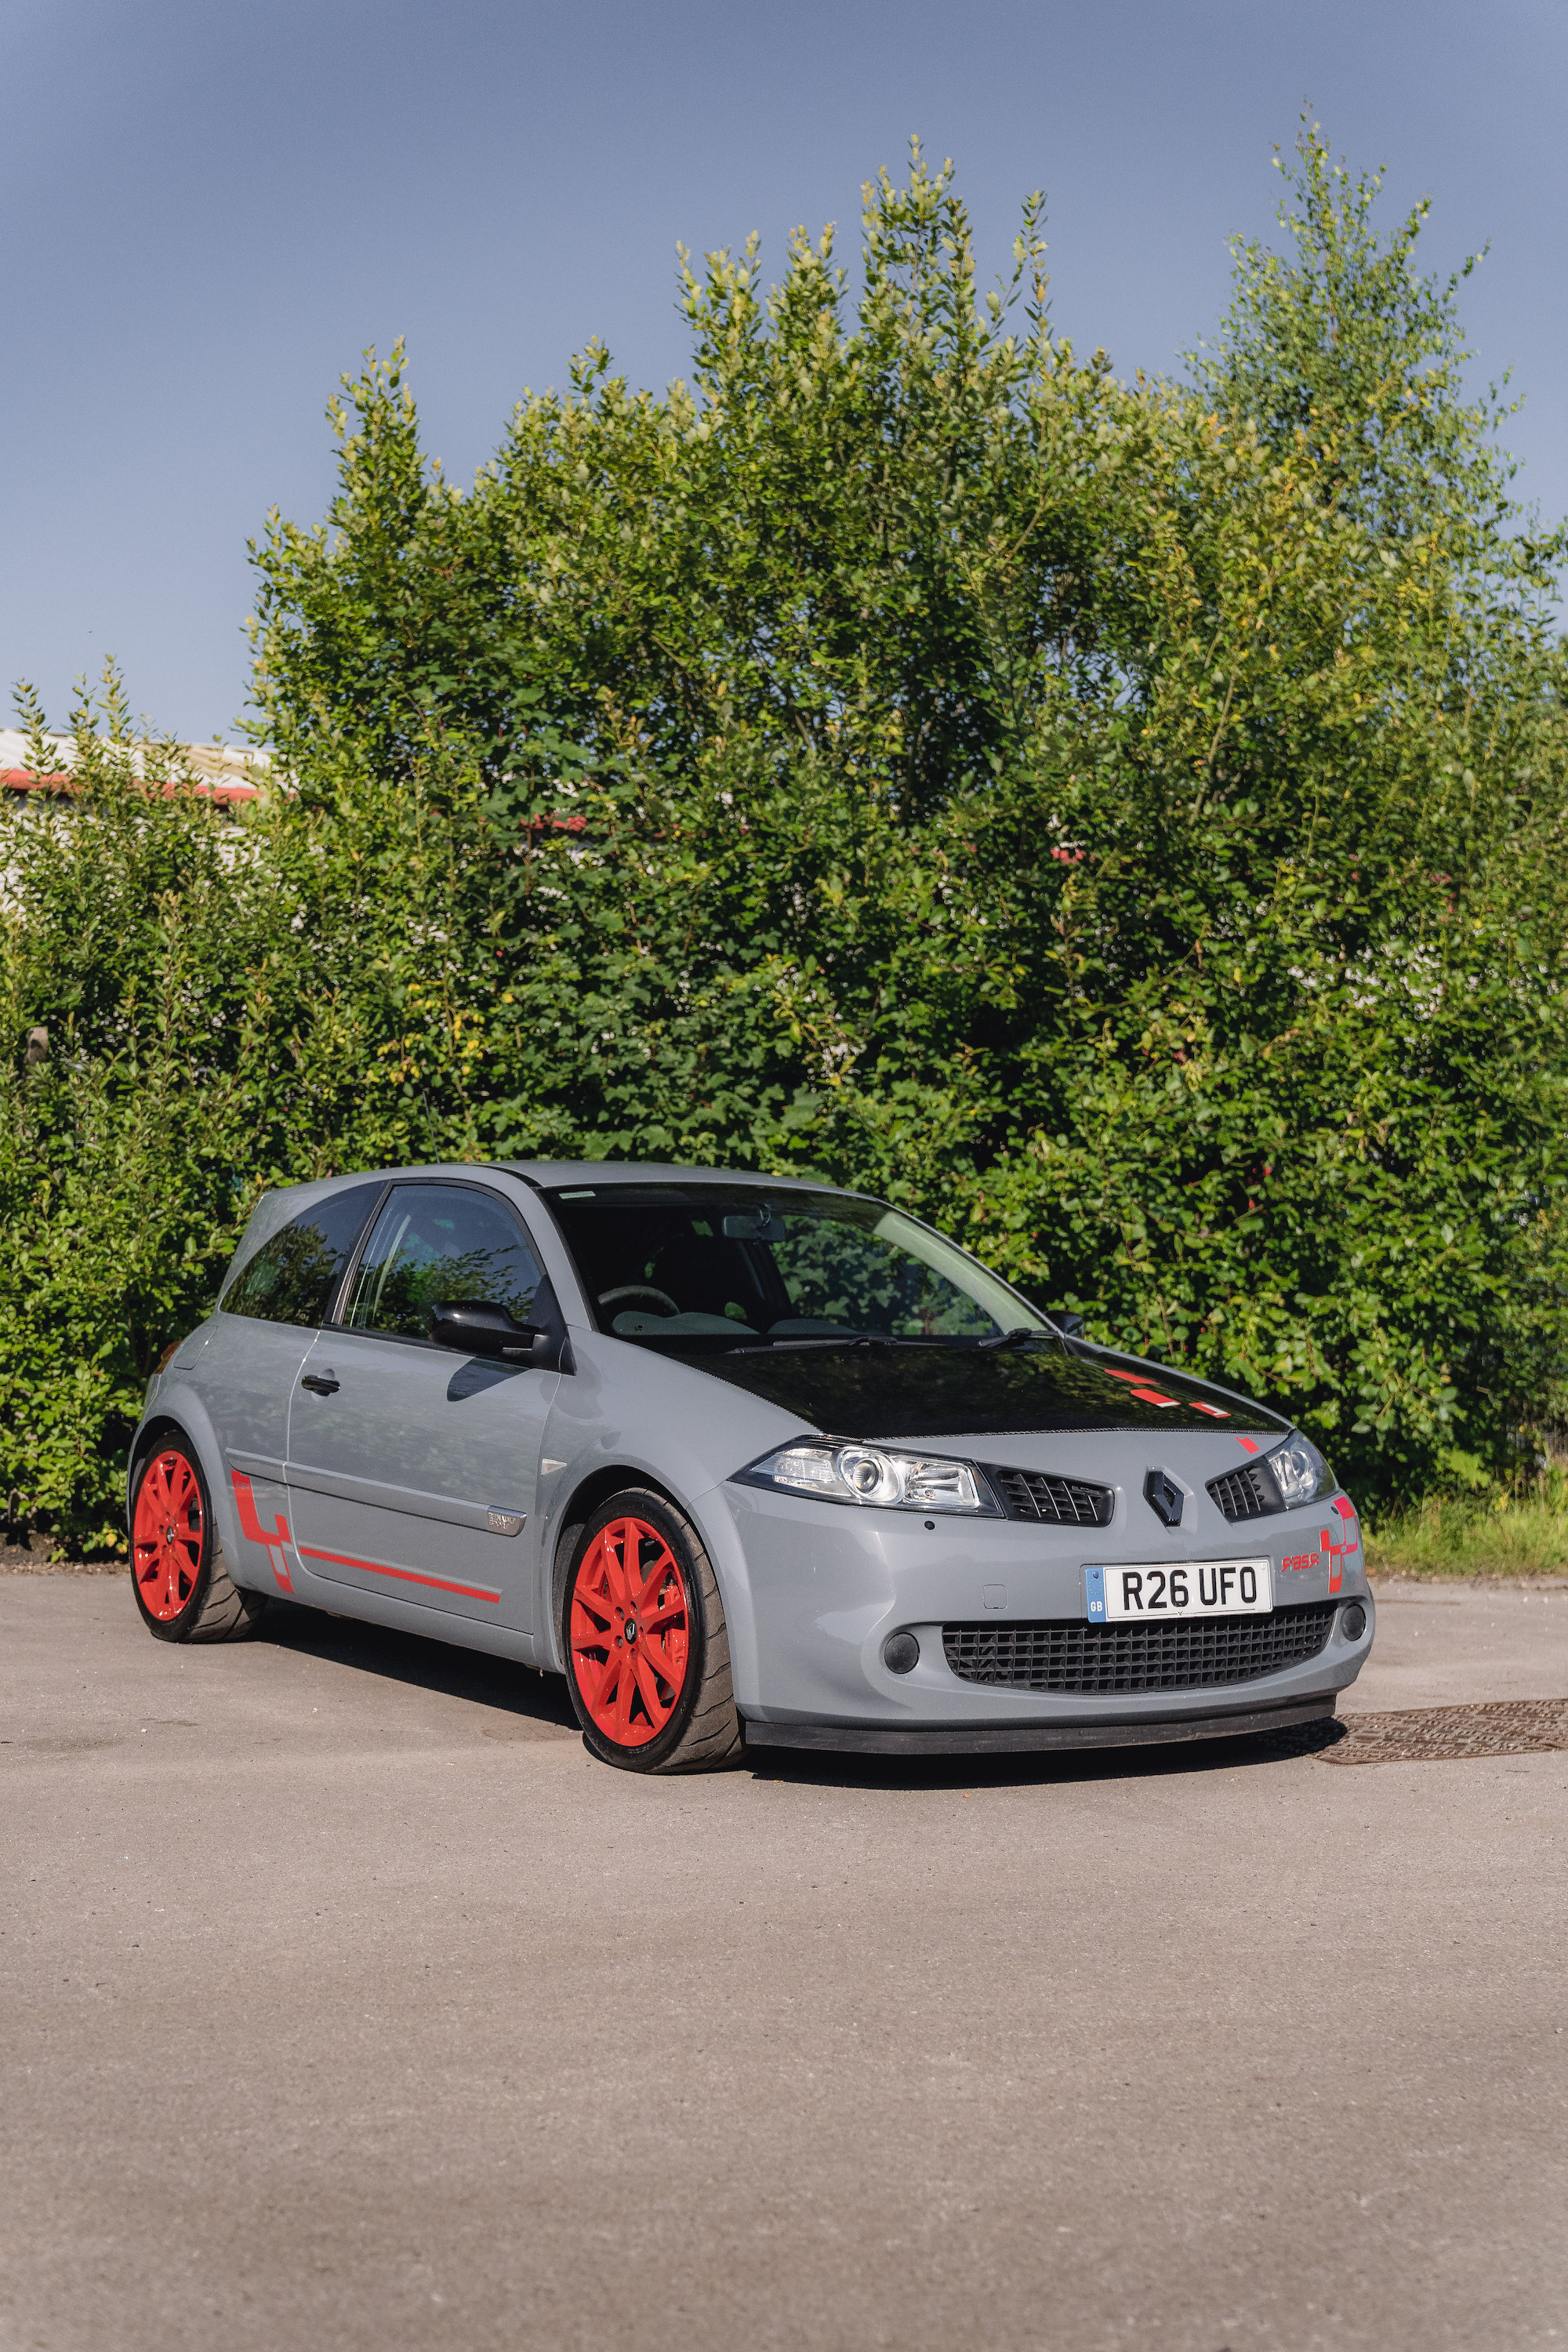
(293, 1278)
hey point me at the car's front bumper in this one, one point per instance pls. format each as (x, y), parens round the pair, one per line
(814, 1590)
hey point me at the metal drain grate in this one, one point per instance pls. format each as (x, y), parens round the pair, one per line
(1438, 1735)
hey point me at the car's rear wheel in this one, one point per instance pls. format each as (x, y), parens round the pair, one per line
(181, 1582)
(645, 1644)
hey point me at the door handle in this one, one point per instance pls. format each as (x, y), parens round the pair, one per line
(321, 1383)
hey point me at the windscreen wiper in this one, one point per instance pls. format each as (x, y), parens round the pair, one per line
(845, 1339)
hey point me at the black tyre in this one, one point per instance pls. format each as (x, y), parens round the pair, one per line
(645, 1641)
(181, 1582)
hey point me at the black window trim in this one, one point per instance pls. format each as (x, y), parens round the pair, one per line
(344, 1291)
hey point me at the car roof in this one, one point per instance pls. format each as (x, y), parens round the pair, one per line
(551, 1173)
(548, 1174)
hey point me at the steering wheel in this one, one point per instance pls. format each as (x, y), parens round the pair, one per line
(638, 1290)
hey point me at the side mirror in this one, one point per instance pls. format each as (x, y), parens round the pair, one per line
(1069, 1326)
(479, 1328)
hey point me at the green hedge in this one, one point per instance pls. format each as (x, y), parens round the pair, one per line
(1122, 820)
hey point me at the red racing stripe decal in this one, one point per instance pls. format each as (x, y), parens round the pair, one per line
(273, 1537)
(250, 1520)
(1142, 1388)
(1138, 1383)
(404, 1575)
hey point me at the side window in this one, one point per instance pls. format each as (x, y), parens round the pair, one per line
(441, 1241)
(293, 1278)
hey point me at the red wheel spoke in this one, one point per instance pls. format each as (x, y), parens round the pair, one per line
(659, 1658)
(631, 1563)
(621, 1714)
(620, 1540)
(589, 1609)
(653, 1619)
(663, 1567)
(604, 1689)
(659, 1709)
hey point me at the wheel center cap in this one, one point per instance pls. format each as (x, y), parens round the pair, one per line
(168, 1535)
(631, 1629)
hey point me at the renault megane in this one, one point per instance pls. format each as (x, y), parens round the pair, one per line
(750, 1461)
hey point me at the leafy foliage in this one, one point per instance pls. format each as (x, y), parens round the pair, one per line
(1122, 820)
(230, 1004)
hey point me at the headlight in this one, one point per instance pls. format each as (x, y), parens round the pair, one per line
(1300, 1472)
(836, 1473)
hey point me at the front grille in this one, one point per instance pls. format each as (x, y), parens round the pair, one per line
(1186, 1654)
(1246, 1494)
(1062, 1502)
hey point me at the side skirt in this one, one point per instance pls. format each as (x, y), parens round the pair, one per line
(1014, 1739)
(358, 1603)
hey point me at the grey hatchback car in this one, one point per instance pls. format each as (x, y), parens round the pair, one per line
(750, 1461)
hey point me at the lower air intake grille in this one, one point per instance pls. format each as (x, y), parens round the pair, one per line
(1062, 1502)
(1186, 1654)
(1246, 1494)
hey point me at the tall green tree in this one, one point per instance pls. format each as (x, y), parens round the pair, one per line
(1123, 819)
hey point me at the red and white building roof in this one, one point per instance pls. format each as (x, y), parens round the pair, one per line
(221, 770)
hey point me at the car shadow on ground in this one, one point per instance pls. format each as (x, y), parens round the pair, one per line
(424, 1664)
(501, 1685)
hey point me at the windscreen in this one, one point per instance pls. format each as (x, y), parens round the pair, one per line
(751, 1266)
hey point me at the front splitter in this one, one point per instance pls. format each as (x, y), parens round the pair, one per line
(1010, 1740)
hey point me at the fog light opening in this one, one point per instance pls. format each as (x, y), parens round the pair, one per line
(1353, 1622)
(900, 1653)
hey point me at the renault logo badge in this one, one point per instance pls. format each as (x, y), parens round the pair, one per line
(1164, 1497)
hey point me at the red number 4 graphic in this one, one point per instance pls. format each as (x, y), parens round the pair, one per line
(272, 1538)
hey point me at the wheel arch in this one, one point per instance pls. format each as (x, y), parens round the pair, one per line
(594, 1487)
(184, 1414)
(150, 1434)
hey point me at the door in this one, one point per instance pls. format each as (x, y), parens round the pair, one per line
(253, 1352)
(413, 1468)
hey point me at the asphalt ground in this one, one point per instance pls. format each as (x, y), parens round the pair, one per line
(346, 2003)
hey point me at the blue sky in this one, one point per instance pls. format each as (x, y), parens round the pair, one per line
(210, 209)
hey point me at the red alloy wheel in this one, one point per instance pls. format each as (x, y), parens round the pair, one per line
(631, 1632)
(167, 1534)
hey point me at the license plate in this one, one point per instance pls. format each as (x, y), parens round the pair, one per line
(1190, 1588)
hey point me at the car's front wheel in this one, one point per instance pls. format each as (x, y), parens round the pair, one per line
(181, 1580)
(645, 1644)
